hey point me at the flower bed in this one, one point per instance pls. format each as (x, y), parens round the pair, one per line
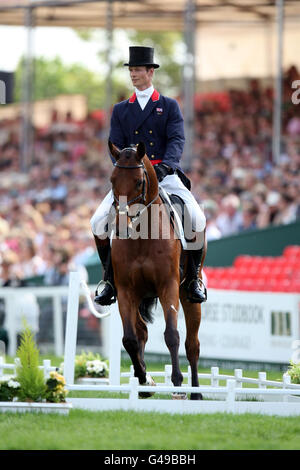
(294, 372)
(89, 366)
(30, 389)
(53, 401)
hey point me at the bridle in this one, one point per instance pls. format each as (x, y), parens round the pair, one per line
(142, 195)
(146, 182)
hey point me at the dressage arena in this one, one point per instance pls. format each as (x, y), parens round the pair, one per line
(234, 397)
(239, 394)
(234, 72)
(235, 393)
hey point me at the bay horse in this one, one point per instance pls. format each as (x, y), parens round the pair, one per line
(147, 269)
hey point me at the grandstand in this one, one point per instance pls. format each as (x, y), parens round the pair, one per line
(45, 212)
(232, 174)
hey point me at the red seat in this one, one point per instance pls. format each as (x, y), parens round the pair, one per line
(295, 285)
(259, 273)
(291, 251)
(242, 260)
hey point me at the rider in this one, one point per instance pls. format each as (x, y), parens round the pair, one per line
(157, 121)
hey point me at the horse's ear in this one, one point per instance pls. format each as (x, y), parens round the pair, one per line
(115, 152)
(140, 150)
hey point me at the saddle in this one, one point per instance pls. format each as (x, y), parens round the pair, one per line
(175, 208)
(178, 217)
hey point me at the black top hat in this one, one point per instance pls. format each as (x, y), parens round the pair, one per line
(141, 56)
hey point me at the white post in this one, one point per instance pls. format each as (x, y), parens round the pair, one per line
(58, 325)
(262, 376)
(230, 395)
(71, 327)
(238, 374)
(47, 366)
(115, 340)
(286, 382)
(168, 374)
(133, 395)
(214, 381)
(189, 376)
(11, 324)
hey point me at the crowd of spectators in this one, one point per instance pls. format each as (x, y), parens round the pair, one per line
(234, 174)
(45, 213)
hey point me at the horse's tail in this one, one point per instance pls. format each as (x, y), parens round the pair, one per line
(146, 307)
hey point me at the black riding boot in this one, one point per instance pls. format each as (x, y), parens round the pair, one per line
(108, 294)
(197, 292)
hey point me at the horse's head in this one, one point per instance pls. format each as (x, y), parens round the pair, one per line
(134, 182)
(133, 177)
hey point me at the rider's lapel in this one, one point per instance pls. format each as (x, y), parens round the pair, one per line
(140, 115)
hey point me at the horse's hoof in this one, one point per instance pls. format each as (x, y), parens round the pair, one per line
(196, 396)
(179, 396)
(149, 381)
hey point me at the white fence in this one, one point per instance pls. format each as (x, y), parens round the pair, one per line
(46, 367)
(15, 302)
(262, 396)
(245, 326)
(281, 398)
(16, 306)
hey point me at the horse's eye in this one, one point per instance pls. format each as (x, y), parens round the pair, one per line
(139, 183)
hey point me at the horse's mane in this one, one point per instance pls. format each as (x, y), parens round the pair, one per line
(152, 175)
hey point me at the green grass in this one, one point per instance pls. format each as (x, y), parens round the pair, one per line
(120, 430)
(127, 430)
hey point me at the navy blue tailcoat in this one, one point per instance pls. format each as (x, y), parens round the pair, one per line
(160, 126)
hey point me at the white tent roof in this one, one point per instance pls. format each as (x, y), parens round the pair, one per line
(155, 15)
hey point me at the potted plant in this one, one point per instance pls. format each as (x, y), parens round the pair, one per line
(294, 372)
(9, 388)
(29, 390)
(89, 366)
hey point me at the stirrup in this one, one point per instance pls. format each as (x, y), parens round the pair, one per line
(99, 284)
(113, 297)
(201, 286)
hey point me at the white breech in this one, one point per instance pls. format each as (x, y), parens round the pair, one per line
(172, 184)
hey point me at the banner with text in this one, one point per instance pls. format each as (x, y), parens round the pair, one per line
(248, 326)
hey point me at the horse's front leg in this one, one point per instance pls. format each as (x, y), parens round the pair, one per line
(192, 313)
(169, 299)
(128, 308)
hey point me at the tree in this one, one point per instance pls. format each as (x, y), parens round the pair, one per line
(52, 77)
(169, 52)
